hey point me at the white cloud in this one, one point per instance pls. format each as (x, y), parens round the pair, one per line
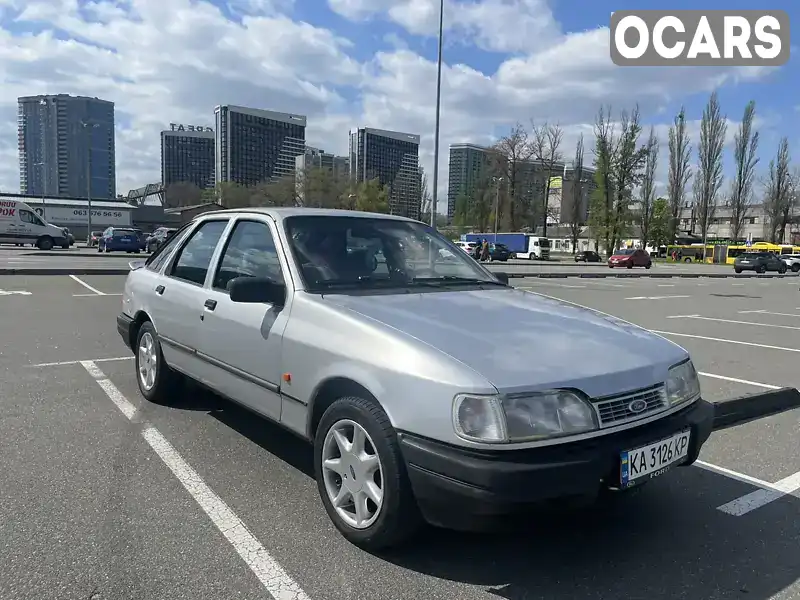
(164, 61)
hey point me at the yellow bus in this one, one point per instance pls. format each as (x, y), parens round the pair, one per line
(721, 253)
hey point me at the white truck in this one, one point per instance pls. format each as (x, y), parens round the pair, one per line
(19, 224)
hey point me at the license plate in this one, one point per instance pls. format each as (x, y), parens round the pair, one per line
(654, 459)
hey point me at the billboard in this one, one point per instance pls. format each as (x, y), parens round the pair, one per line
(64, 216)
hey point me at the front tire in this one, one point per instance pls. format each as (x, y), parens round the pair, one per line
(361, 475)
(45, 243)
(157, 382)
(737, 271)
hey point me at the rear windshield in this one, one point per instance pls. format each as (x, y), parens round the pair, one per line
(123, 232)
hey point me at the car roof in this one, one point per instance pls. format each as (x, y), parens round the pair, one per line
(283, 212)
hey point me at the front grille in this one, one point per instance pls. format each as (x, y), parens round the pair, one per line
(615, 410)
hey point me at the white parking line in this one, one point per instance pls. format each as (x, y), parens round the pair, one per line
(86, 285)
(768, 325)
(275, 580)
(766, 312)
(760, 483)
(724, 341)
(93, 295)
(655, 297)
(76, 362)
(553, 283)
(767, 386)
(758, 498)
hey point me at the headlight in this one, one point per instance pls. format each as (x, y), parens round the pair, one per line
(683, 384)
(517, 419)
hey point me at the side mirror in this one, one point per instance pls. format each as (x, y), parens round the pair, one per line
(502, 278)
(257, 290)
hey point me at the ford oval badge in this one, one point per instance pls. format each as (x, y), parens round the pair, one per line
(637, 406)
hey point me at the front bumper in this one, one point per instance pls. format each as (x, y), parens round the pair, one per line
(464, 488)
(124, 325)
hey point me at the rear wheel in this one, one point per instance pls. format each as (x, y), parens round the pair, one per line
(648, 265)
(361, 475)
(795, 267)
(761, 269)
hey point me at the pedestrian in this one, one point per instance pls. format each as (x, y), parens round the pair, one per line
(485, 250)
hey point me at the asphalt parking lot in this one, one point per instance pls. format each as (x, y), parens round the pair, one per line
(105, 496)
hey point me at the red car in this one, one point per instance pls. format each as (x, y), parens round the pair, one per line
(630, 258)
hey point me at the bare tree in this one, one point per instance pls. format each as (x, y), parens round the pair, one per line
(709, 178)
(508, 160)
(779, 193)
(426, 199)
(576, 207)
(628, 159)
(601, 210)
(545, 148)
(679, 170)
(648, 188)
(744, 152)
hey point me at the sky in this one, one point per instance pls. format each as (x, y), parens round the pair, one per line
(367, 63)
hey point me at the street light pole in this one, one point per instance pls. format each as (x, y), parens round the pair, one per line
(88, 128)
(435, 195)
(497, 180)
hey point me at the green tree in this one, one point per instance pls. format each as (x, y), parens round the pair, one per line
(233, 195)
(710, 174)
(370, 196)
(745, 147)
(680, 171)
(648, 189)
(182, 193)
(628, 160)
(461, 212)
(601, 204)
(321, 187)
(660, 223)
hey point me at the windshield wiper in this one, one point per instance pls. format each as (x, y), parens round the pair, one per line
(358, 283)
(453, 279)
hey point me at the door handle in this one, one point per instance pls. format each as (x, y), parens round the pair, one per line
(159, 289)
(210, 304)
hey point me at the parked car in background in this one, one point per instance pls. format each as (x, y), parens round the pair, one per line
(588, 256)
(760, 262)
(468, 247)
(94, 239)
(120, 239)
(630, 258)
(287, 312)
(792, 261)
(499, 252)
(154, 241)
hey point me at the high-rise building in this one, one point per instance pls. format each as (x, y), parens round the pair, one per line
(468, 165)
(393, 158)
(66, 146)
(187, 157)
(254, 146)
(314, 158)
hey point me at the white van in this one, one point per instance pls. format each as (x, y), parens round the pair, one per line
(19, 224)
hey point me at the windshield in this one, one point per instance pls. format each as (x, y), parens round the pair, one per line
(545, 243)
(362, 252)
(624, 252)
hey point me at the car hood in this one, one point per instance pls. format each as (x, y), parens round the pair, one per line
(620, 256)
(521, 341)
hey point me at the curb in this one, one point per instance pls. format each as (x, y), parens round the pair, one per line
(97, 255)
(555, 275)
(737, 411)
(64, 271)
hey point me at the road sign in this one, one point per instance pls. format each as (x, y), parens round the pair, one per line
(749, 243)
